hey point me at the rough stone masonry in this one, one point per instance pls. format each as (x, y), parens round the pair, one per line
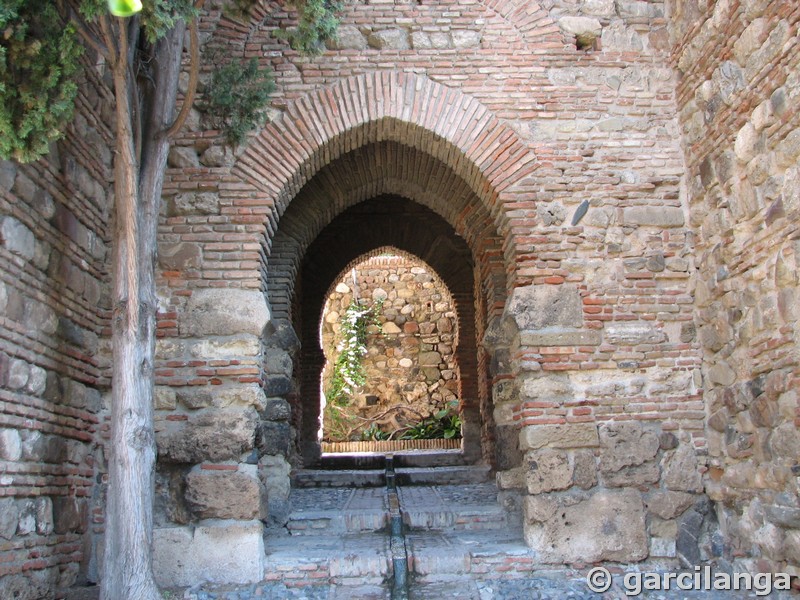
(632, 375)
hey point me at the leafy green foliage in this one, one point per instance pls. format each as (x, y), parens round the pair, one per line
(444, 424)
(38, 61)
(157, 16)
(317, 23)
(236, 98)
(348, 371)
(374, 433)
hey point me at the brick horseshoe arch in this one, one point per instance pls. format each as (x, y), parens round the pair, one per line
(402, 107)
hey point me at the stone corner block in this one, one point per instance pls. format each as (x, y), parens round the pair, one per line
(224, 493)
(209, 435)
(218, 551)
(608, 525)
(541, 306)
(567, 435)
(224, 312)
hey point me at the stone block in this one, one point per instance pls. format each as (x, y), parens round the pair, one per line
(180, 256)
(599, 8)
(511, 479)
(194, 203)
(278, 362)
(427, 359)
(224, 494)
(278, 385)
(9, 517)
(211, 435)
(70, 514)
(543, 306)
(465, 38)
(606, 526)
(17, 238)
(667, 504)
(8, 174)
(274, 437)
(653, 216)
(220, 552)
(10, 444)
(389, 39)
(580, 25)
(680, 468)
(27, 517)
(585, 469)
(224, 312)
(274, 474)
(633, 476)
(277, 409)
(43, 507)
(508, 454)
(750, 40)
(632, 333)
(421, 41)
(625, 444)
(241, 395)
(547, 470)
(182, 157)
(348, 37)
(557, 336)
(242, 345)
(568, 435)
(164, 398)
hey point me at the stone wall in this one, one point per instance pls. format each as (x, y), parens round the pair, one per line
(410, 365)
(504, 120)
(54, 309)
(738, 97)
(625, 354)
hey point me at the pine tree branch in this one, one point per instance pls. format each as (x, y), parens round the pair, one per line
(194, 73)
(105, 26)
(88, 36)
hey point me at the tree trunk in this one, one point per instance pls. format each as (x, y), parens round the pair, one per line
(127, 572)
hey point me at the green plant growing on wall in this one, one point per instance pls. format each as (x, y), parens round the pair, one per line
(236, 97)
(348, 370)
(317, 23)
(443, 424)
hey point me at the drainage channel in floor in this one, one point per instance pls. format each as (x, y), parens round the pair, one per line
(397, 542)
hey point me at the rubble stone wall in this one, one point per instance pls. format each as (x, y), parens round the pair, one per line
(410, 365)
(738, 96)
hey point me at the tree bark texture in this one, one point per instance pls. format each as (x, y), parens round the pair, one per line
(127, 565)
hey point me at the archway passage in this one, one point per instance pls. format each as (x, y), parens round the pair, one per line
(391, 381)
(408, 226)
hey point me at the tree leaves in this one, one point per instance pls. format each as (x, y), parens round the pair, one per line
(38, 63)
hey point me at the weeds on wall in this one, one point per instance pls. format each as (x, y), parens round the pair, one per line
(348, 371)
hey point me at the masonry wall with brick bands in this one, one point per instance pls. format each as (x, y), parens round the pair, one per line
(54, 307)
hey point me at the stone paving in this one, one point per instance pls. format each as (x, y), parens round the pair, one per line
(349, 558)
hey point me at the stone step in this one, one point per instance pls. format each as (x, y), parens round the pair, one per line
(437, 555)
(470, 507)
(453, 475)
(356, 478)
(326, 511)
(404, 475)
(352, 559)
